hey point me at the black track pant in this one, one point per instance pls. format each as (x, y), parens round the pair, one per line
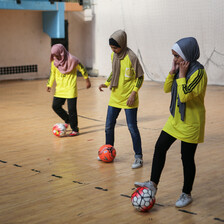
(187, 155)
(69, 117)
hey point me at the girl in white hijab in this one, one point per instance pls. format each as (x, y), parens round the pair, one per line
(187, 81)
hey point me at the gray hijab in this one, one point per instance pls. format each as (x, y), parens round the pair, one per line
(190, 49)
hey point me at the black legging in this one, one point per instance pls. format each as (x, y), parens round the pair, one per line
(187, 155)
(71, 116)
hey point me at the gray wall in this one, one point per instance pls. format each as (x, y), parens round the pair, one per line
(153, 26)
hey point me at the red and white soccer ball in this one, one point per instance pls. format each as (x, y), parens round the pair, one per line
(107, 153)
(59, 130)
(142, 199)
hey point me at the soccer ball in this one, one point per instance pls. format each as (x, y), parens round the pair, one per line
(59, 130)
(142, 199)
(107, 153)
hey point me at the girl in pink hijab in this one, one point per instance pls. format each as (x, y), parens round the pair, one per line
(64, 68)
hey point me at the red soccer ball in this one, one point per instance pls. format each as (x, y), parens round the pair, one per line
(107, 153)
(142, 199)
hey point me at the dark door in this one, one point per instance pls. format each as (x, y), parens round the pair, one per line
(63, 41)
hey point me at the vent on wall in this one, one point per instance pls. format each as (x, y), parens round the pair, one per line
(18, 69)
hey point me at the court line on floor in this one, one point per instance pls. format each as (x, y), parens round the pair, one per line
(118, 124)
(104, 189)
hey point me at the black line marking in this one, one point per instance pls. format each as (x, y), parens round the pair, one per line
(118, 124)
(37, 171)
(100, 188)
(159, 205)
(218, 219)
(53, 175)
(124, 195)
(17, 165)
(92, 119)
(1, 161)
(77, 182)
(192, 213)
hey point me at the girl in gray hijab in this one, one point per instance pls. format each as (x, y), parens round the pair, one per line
(187, 81)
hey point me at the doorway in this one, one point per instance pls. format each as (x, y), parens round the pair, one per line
(63, 41)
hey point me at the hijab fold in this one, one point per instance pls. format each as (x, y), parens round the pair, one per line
(190, 49)
(67, 61)
(120, 37)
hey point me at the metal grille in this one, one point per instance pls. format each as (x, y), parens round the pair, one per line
(18, 69)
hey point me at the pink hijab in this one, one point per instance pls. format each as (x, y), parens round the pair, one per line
(67, 62)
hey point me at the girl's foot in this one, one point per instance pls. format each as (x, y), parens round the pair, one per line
(148, 184)
(184, 200)
(73, 133)
(137, 163)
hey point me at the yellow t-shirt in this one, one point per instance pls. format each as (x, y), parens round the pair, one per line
(126, 84)
(192, 129)
(66, 84)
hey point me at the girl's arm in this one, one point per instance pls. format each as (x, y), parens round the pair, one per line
(84, 73)
(106, 84)
(168, 83)
(194, 87)
(169, 79)
(51, 78)
(138, 85)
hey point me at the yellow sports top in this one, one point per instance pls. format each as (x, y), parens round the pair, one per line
(192, 129)
(66, 84)
(126, 84)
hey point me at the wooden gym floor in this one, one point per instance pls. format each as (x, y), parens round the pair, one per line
(51, 180)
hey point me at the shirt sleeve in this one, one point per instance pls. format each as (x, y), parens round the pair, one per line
(168, 83)
(107, 83)
(194, 87)
(83, 71)
(138, 83)
(52, 76)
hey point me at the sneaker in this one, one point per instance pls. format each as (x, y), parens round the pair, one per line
(184, 200)
(98, 158)
(73, 133)
(148, 184)
(137, 163)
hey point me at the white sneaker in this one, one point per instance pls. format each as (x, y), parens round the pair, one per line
(184, 200)
(137, 163)
(98, 158)
(148, 184)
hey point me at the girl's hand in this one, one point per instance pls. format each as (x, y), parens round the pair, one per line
(88, 83)
(131, 99)
(174, 68)
(102, 86)
(48, 89)
(184, 65)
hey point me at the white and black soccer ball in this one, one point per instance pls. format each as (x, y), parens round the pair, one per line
(142, 199)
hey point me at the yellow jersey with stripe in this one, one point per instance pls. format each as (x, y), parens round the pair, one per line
(126, 84)
(66, 84)
(192, 93)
